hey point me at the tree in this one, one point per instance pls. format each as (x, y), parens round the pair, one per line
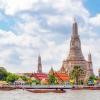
(24, 78)
(29, 81)
(93, 77)
(76, 73)
(92, 80)
(52, 79)
(12, 77)
(3, 74)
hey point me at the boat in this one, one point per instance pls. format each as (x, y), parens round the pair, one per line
(6, 88)
(47, 91)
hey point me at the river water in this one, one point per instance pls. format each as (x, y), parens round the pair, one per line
(69, 95)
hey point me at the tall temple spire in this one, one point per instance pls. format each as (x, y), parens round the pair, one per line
(39, 65)
(74, 19)
(89, 57)
(89, 67)
(76, 57)
(75, 44)
(74, 28)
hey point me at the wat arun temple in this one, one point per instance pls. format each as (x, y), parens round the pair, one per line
(75, 56)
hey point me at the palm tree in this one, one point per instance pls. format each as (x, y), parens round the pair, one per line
(52, 79)
(76, 73)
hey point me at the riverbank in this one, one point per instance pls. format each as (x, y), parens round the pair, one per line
(86, 88)
(49, 89)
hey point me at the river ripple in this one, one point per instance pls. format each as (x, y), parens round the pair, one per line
(69, 95)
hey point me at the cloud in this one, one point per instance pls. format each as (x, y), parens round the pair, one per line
(21, 51)
(95, 21)
(12, 7)
(44, 27)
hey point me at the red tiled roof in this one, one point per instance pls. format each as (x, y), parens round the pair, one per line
(62, 76)
(40, 76)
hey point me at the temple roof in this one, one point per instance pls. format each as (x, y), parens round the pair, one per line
(40, 76)
(51, 70)
(61, 76)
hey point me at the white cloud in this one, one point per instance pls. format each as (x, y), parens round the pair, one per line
(33, 38)
(58, 19)
(11, 7)
(95, 21)
(69, 7)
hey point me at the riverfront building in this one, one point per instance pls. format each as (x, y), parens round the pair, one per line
(75, 56)
(62, 77)
(39, 75)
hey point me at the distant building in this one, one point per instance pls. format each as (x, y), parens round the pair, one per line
(99, 72)
(19, 82)
(24, 74)
(20, 74)
(62, 77)
(63, 70)
(39, 76)
(51, 70)
(39, 70)
(76, 57)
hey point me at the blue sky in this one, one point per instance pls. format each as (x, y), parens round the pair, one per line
(32, 27)
(92, 6)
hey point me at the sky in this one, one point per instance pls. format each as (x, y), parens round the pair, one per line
(29, 28)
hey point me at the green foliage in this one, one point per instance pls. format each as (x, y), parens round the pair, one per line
(24, 78)
(37, 81)
(52, 79)
(92, 80)
(80, 82)
(3, 74)
(93, 77)
(12, 77)
(76, 73)
(98, 78)
(29, 81)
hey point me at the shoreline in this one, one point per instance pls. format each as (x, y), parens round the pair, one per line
(8, 88)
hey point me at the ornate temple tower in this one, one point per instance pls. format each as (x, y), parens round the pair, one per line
(39, 65)
(89, 66)
(75, 56)
(75, 52)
